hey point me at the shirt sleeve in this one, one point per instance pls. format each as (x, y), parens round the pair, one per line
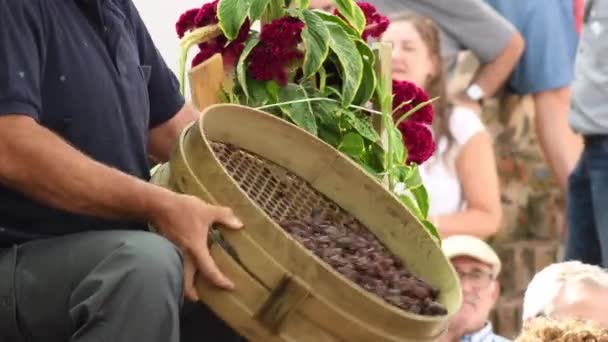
(464, 124)
(474, 25)
(21, 57)
(163, 87)
(471, 24)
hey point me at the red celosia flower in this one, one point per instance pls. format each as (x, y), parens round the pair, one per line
(244, 32)
(230, 51)
(276, 50)
(284, 32)
(376, 23)
(186, 22)
(418, 140)
(412, 95)
(206, 51)
(207, 14)
(269, 62)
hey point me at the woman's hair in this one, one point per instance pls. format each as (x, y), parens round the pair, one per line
(571, 330)
(437, 85)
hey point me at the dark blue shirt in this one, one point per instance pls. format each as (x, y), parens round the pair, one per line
(89, 71)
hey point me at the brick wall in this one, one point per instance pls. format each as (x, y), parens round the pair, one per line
(530, 235)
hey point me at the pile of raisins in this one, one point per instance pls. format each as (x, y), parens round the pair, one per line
(358, 255)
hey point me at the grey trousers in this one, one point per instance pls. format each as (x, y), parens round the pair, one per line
(114, 286)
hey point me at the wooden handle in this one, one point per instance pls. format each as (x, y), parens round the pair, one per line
(281, 303)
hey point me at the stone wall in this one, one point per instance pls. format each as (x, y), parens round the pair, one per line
(530, 236)
(533, 220)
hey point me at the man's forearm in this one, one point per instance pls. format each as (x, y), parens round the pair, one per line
(38, 163)
(163, 138)
(491, 76)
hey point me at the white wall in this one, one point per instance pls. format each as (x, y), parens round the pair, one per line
(160, 18)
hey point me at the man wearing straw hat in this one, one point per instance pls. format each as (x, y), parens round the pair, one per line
(85, 100)
(478, 267)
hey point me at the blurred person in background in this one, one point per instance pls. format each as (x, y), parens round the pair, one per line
(461, 176)
(545, 71)
(588, 184)
(568, 290)
(469, 25)
(478, 268)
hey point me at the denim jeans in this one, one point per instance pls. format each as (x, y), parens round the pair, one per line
(587, 208)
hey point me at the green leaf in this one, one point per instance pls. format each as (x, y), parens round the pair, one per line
(353, 14)
(329, 18)
(400, 173)
(362, 126)
(258, 95)
(322, 78)
(316, 41)
(328, 113)
(297, 7)
(376, 157)
(413, 179)
(232, 15)
(422, 200)
(276, 9)
(368, 82)
(330, 135)
(329, 91)
(300, 113)
(351, 63)
(432, 230)
(273, 88)
(371, 171)
(352, 145)
(397, 153)
(409, 203)
(241, 67)
(257, 8)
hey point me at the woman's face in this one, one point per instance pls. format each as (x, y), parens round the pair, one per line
(411, 58)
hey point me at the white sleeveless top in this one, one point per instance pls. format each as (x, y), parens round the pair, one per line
(439, 173)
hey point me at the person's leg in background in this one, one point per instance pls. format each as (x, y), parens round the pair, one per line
(98, 286)
(598, 175)
(583, 242)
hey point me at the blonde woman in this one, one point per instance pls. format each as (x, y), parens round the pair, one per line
(461, 177)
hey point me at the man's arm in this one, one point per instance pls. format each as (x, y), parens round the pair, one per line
(163, 137)
(35, 161)
(492, 75)
(38, 163)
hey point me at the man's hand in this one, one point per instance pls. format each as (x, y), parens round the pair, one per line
(186, 220)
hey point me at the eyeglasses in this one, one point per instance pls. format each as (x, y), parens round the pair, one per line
(478, 279)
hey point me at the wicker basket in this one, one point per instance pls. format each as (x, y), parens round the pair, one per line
(267, 169)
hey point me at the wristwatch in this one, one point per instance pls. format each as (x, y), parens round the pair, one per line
(474, 92)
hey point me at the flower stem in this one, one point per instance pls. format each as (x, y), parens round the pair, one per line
(197, 36)
(317, 99)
